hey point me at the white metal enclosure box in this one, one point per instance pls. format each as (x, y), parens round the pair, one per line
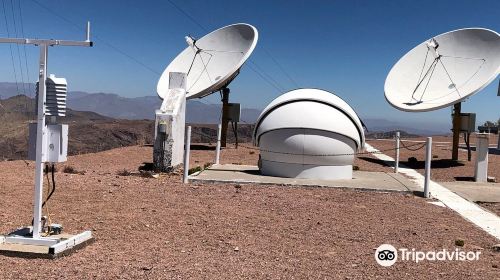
(56, 139)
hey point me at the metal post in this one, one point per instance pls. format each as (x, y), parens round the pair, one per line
(88, 32)
(217, 150)
(481, 165)
(456, 130)
(40, 143)
(225, 117)
(396, 164)
(428, 159)
(187, 150)
(498, 137)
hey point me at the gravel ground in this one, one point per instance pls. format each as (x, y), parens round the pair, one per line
(160, 229)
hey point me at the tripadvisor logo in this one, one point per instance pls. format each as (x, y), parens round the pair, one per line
(387, 255)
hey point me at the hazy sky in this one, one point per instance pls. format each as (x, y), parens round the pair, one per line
(346, 47)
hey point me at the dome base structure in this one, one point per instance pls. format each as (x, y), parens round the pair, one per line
(308, 133)
(305, 171)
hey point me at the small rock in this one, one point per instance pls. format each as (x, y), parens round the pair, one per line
(459, 242)
(494, 265)
(496, 247)
(236, 249)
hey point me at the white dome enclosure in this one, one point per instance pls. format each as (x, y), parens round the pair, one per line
(308, 133)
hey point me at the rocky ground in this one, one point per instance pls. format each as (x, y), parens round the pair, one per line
(148, 228)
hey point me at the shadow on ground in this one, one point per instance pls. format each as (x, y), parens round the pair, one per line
(441, 163)
(374, 160)
(201, 147)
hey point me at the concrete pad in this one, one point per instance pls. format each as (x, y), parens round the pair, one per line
(474, 191)
(376, 181)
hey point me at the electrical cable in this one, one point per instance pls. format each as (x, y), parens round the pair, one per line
(10, 46)
(32, 111)
(48, 196)
(17, 45)
(100, 39)
(281, 68)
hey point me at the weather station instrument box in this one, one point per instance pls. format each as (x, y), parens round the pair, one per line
(468, 122)
(56, 143)
(234, 112)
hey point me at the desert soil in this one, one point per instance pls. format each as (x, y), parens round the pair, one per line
(148, 228)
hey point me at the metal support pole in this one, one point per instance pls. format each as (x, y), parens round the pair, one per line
(217, 150)
(40, 143)
(87, 37)
(187, 151)
(456, 130)
(225, 116)
(396, 164)
(498, 137)
(428, 159)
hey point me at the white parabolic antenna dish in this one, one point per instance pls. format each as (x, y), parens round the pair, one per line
(444, 70)
(212, 61)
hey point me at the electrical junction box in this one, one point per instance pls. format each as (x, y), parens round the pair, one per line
(468, 122)
(234, 112)
(55, 139)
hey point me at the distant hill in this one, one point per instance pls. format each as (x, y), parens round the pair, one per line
(134, 108)
(88, 131)
(142, 108)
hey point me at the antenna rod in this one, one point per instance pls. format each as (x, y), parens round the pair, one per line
(88, 32)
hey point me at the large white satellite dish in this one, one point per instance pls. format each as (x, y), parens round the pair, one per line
(212, 61)
(444, 70)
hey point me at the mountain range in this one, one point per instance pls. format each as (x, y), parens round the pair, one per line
(142, 108)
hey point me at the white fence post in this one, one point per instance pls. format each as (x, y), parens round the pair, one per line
(217, 150)
(187, 151)
(498, 136)
(428, 159)
(481, 165)
(396, 164)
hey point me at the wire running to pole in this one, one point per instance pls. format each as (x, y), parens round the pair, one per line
(99, 39)
(10, 47)
(281, 67)
(17, 45)
(259, 72)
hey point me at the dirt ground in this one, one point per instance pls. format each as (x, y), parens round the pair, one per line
(149, 228)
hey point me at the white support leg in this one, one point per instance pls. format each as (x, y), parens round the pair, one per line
(428, 159)
(396, 164)
(187, 151)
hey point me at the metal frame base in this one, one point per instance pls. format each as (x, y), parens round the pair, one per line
(43, 247)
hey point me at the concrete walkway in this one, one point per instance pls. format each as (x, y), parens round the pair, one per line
(487, 221)
(473, 191)
(376, 181)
